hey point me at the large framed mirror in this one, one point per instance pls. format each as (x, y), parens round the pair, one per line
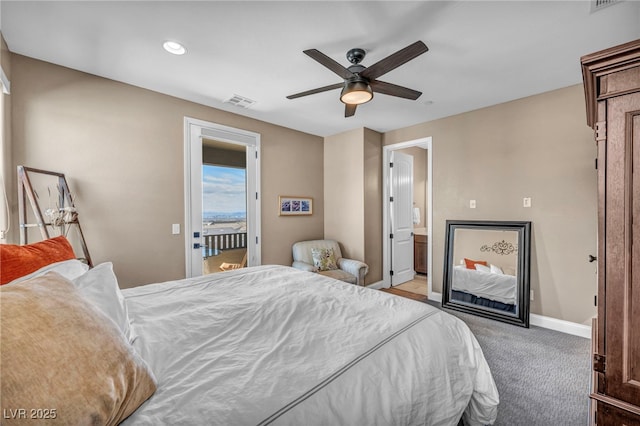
(486, 271)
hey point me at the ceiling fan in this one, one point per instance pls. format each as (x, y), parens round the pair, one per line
(361, 82)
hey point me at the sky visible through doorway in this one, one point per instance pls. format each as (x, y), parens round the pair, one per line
(223, 191)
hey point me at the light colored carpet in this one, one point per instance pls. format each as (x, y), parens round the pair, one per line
(542, 375)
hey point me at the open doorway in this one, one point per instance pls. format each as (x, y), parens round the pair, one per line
(223, 160)
(224, 206)
(407, 210)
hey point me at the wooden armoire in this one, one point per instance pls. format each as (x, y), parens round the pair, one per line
(612, 90)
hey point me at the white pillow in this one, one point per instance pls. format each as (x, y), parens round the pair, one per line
(496, 270)
(509, 271)
(482, 268)
(100, 286)
(70, 269)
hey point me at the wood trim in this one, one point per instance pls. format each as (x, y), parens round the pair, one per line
(406, 294)
(44, 172)
(594, 375)
(602, 220)
(616, 403)
(599, 64)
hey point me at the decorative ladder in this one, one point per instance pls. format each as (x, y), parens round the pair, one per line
(25, 191)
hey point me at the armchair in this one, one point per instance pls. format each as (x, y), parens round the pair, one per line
(348, 270)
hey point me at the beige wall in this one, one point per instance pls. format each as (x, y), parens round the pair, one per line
(344, 192)
(102, 133)
(467, 244)
(353, 196)
(121, 148)
(538, 147)
(373, 204)
(7, 171)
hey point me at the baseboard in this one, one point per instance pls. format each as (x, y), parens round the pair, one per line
(550, 323)
(376, 286)
(562, 326)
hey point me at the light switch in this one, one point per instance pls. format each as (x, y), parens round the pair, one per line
(526, 202)
(472, 204)
(175, 228)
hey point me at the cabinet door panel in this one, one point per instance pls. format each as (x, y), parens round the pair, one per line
(622, 250)
(609, 415)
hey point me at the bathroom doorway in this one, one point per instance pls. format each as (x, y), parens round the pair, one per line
(420, 214)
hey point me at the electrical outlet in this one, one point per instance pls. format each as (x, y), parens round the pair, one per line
(472, 204)
(531, 294)
(526, 202)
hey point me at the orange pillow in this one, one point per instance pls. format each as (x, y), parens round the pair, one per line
(471, 264)
(17, 261)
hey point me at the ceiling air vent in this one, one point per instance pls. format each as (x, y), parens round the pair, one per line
(597, 5)
(240, 101)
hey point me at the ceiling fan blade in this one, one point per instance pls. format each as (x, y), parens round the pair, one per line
(349, 110)
(329, 63)
(318, 90)
(394, 90)
(394, 60)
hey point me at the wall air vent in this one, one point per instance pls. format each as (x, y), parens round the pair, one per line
(597, 5)
(240, 101)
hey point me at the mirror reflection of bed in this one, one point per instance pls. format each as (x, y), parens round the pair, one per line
(487, 269)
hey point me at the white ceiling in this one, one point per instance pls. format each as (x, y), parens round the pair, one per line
(480, 53)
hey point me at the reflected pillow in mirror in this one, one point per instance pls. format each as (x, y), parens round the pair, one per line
(496, 270)
(471, 264)
(509, 271)
(482, 268)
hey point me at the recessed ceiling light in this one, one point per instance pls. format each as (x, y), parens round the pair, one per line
(174, 47)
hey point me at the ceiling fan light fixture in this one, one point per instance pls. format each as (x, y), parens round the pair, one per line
(356, 93)
(360, 81)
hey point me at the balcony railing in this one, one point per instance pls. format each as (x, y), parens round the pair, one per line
(218, 242)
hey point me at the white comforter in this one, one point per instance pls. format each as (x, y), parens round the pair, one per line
(274, 345)
(498, 287)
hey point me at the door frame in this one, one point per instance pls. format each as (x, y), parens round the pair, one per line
(194, 131)
(427, 144)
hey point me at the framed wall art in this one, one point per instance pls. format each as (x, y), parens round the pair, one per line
(294, 206)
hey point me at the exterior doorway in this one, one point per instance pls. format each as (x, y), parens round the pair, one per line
(221, 233)
(224, 209)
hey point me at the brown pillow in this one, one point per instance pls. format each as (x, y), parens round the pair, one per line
(18, 261)
(64, 359)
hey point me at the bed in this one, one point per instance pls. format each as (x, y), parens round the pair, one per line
(254, 346)
(493, 290)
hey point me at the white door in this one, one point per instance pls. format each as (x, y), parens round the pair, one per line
(401, 218)
(195, 131)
